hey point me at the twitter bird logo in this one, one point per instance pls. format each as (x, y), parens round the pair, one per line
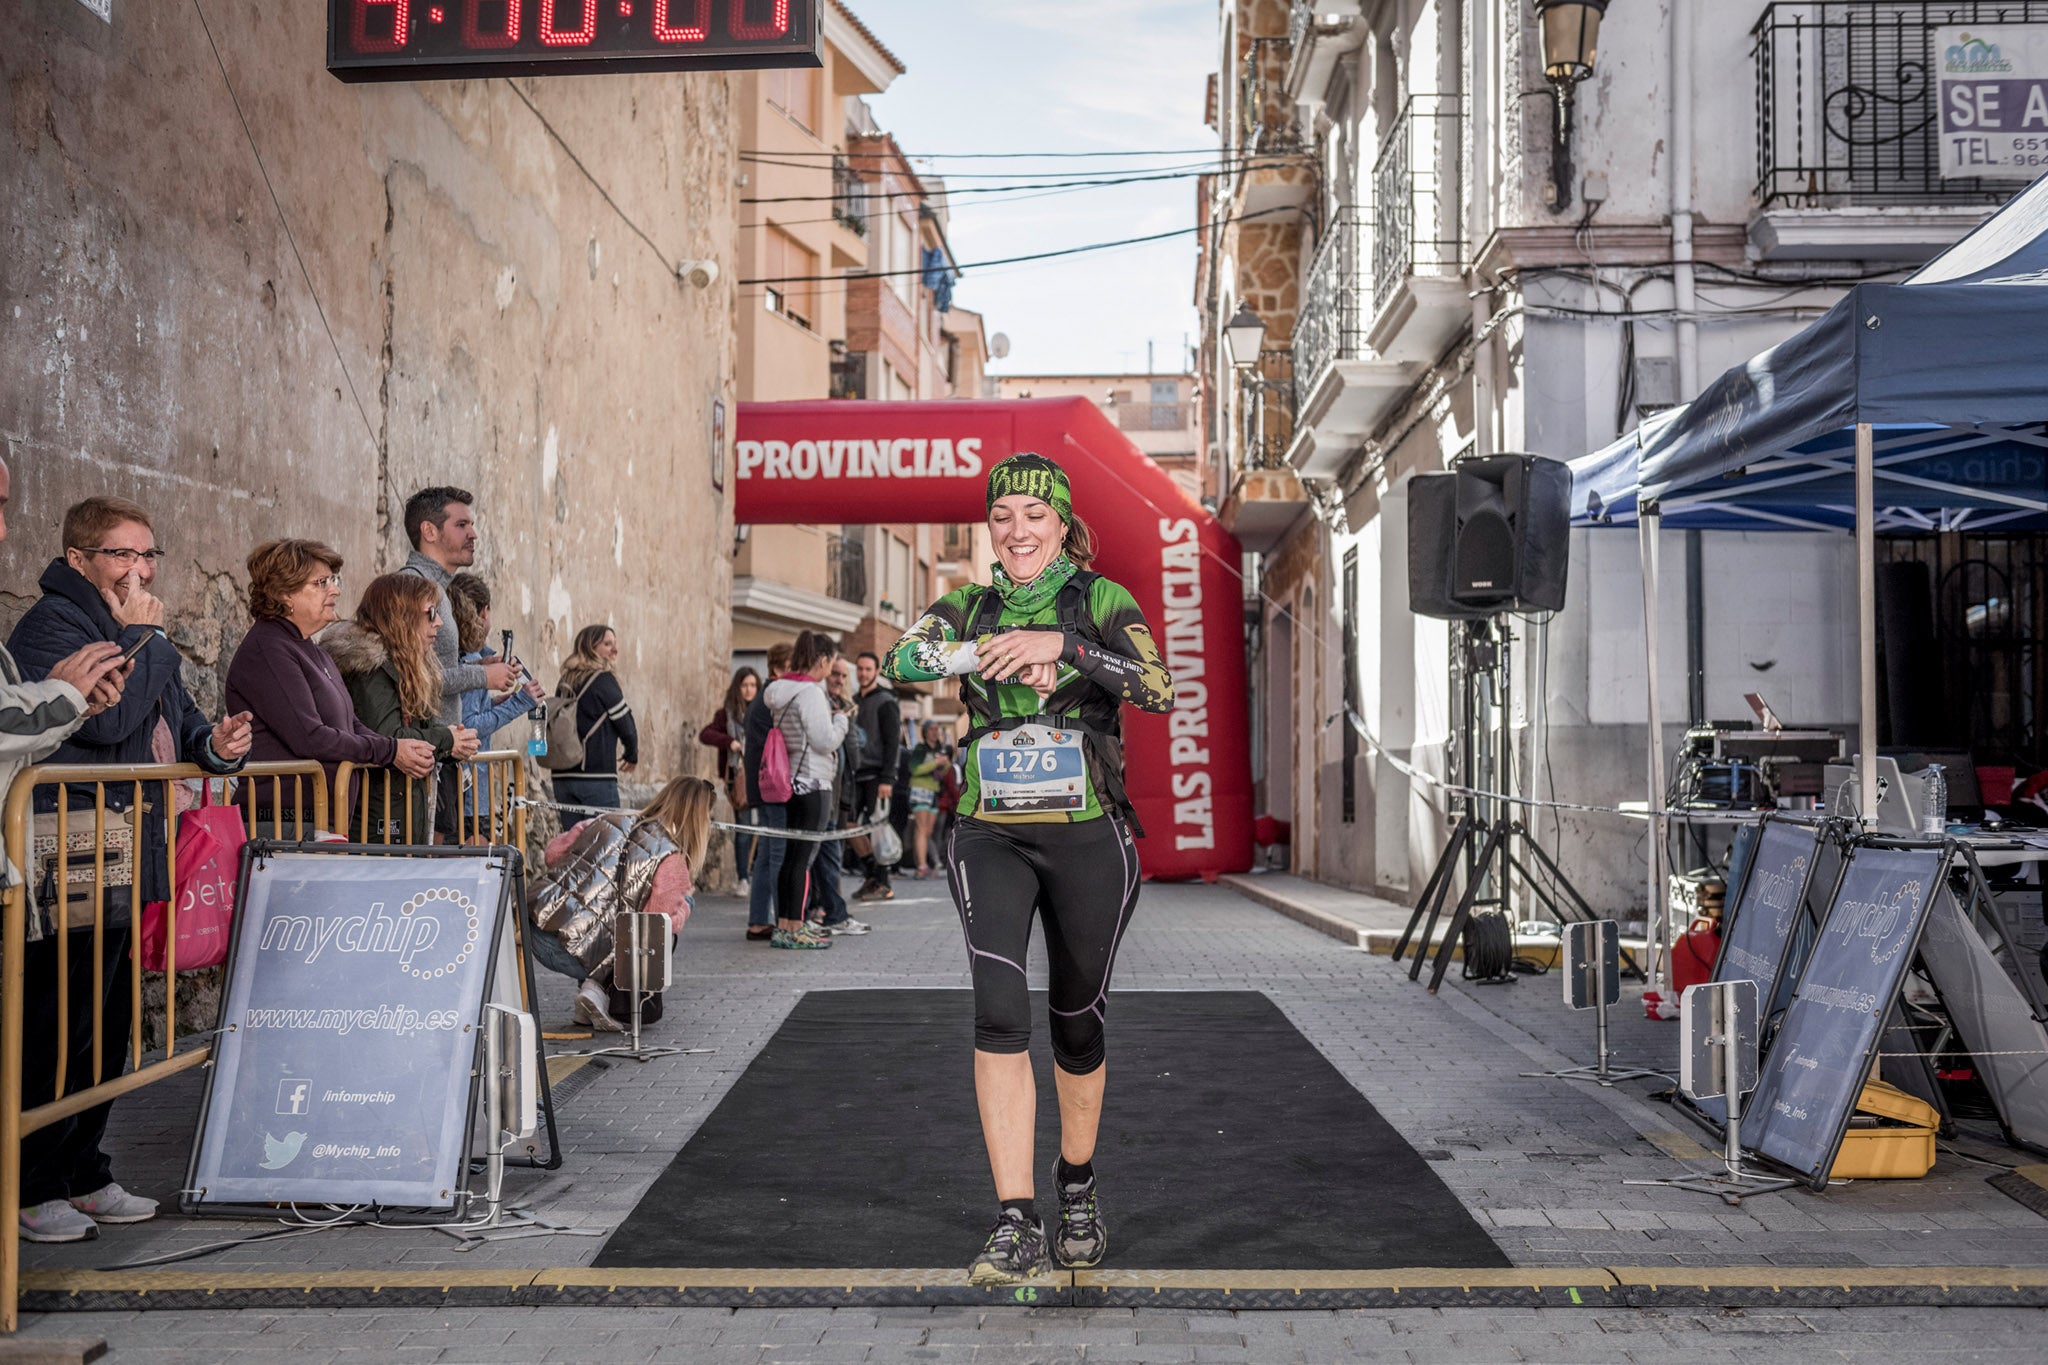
(279, 1153)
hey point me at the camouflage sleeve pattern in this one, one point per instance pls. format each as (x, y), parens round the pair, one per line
(1130, 669)
(932, 649)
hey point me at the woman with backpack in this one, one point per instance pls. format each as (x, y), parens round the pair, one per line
(1046, 658)
(800, 759)
(604, 742)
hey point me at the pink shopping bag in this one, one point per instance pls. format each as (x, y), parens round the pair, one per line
(210, 840)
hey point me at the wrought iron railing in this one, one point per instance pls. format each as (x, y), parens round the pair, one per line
(846, 566)
(849, 197)
(1415, 195)
(1845, 101)
(1331, 323)
(1301, 17)
(1265, 409)
(1155, 416)
(1264, 119)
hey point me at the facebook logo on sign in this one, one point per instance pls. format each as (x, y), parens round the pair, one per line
(294, 1095)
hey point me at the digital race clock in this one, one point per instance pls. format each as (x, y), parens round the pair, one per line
(416, 40)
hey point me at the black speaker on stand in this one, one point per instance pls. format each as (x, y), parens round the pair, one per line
(1488, 537)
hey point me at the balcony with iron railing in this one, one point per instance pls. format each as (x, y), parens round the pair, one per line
(1266, 497)
(1846, 110)
(1268, 169)
(849, 197)
(1417, 248)
(846, 567)
(1848, 123)
(1155, 417)
(1330, 325)
(1320, 33)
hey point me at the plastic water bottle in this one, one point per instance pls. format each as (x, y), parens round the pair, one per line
(537, 739)
(1934, 801)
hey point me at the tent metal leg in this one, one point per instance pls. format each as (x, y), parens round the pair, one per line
(1648, 523)
(1866, 625)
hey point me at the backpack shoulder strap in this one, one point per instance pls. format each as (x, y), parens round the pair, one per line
(987, 614)
(1073, 605)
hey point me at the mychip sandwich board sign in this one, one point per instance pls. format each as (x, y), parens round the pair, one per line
(1824, 1049)
(1763, 928)
(345, 1069)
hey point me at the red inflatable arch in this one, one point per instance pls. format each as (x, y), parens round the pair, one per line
(859, 462)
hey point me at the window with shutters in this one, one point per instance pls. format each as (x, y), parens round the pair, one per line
(787, 259)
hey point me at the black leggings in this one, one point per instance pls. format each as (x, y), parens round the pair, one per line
(1084, 876)
(807, 810)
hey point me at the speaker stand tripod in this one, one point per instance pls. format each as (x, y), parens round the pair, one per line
(1492, 847)
(1485, 839)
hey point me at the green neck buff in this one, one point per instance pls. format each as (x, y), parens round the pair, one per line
(1030, 597)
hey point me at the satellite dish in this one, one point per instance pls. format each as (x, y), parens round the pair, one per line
(999, 345)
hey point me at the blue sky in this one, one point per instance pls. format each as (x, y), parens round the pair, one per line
(1061, 75)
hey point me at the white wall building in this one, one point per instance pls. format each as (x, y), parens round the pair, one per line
(1735, 164)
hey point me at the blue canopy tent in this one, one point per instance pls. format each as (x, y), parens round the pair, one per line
(1915, 406)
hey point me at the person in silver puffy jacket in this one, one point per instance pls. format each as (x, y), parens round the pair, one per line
(622, 861)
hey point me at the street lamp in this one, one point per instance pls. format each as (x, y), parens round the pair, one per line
(1244, 336)
(1571, 42)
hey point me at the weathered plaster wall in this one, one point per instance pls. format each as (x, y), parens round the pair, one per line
(471, 310)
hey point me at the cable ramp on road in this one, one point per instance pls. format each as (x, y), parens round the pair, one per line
(1564, 1287)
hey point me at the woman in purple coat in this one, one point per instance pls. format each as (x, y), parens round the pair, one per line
(299, 706)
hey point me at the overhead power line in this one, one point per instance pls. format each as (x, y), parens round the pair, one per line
(991, 156)
(962, 269)
(1213, 163)
(950, 193)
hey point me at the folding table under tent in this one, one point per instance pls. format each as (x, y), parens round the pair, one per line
(1914, 406)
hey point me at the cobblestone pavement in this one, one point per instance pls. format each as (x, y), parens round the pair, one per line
(1540, 1162)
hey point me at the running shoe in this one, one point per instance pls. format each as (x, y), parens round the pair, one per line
(1080, 1239)
(849, 925)
(1014, 1253)
(867, 890)
(800, 939)
(56, 1221)
(112, 1204)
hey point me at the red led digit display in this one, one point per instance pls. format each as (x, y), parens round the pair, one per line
(400, 40)
(694, 29)
(489, 24)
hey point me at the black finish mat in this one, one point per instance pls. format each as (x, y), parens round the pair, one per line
(1228, 1141)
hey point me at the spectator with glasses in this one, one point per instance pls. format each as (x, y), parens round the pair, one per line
(300, 708)
(386, 658)
(98, 593)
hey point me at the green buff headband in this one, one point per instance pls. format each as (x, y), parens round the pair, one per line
(1034, 476)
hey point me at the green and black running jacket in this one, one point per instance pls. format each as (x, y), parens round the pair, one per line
(1111, 659)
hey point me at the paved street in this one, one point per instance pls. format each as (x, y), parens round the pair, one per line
(1539, 1162)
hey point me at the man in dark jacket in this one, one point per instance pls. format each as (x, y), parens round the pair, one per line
(881, 718)
(99, 593)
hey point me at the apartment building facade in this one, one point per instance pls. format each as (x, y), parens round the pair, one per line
(1418, 265)
(845, 243)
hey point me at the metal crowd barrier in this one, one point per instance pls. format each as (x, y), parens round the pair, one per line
(492, 795)
(18, 1116)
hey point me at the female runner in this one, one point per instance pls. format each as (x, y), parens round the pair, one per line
(1046, 658)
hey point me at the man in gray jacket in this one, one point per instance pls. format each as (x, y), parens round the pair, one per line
(441, 524)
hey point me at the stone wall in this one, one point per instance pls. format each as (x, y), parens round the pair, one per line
(414, 284)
